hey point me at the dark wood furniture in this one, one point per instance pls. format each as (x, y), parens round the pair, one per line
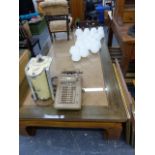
(124, 11)
(106, 110)
(126, 42)
(77, 9)
(65, 18)
(57, 17)
(26, 40)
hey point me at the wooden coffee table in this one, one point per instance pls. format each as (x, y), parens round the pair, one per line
(102, 108)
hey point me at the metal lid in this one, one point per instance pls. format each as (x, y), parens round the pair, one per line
(37, 65)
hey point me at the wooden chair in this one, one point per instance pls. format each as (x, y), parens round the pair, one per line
(26, 40)
(57, 16)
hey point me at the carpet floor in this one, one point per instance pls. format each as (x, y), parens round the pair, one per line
(72, 142)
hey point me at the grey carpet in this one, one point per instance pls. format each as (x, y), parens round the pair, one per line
(72, 142)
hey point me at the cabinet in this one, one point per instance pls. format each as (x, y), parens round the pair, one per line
(124, 11)
(77, 9)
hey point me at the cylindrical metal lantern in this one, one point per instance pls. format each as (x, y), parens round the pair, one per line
(39, 79)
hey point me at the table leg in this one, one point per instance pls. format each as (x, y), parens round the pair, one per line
(114, 132)
(128, 132)
(27, 131)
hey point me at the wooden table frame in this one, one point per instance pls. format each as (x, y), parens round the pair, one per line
(115, 114)
(111, 130)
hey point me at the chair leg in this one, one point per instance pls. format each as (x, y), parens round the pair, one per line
(39, 45)
(68, 35)
(54, 35)
(32, 51)
(51, 37)
(67, 26)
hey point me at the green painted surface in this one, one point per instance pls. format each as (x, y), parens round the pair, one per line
(38, 27)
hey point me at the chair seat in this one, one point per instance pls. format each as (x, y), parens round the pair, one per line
(59, 25)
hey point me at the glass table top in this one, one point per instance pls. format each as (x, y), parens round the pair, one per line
(101, 98)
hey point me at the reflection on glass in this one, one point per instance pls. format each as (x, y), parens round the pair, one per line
(92, 89)
(54, 116)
